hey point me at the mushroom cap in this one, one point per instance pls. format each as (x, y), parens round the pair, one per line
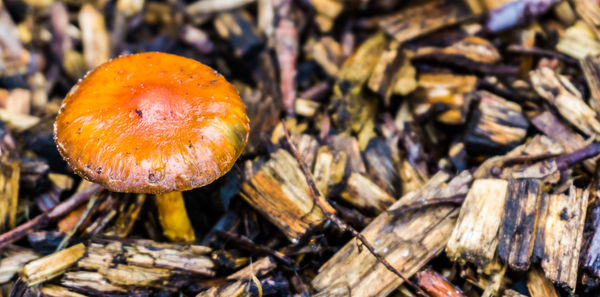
(152, 123)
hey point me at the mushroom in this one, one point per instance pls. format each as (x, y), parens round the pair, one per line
(153, 123)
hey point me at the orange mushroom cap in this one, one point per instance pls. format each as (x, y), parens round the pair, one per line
(152, 123)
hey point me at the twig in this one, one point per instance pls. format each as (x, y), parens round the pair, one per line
(536, 51)
(565, 161)
(84, 216)
(43, 219)
(318, 199)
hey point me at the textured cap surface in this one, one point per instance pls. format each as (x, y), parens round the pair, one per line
(152, 123)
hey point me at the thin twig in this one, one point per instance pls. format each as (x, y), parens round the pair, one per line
(566, 161)
(84, 216)
(43, 219)
(536, 51)
(318, 200)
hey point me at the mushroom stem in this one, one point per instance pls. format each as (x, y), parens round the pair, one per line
(173, 217)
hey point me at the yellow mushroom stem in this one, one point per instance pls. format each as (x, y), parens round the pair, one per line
(174, 218)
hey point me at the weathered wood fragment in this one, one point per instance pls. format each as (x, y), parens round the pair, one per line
(322, 170)
(349, 146)
(512, 293)
(327, 52)
(362, 193)
(279, 191)
(591, 256)
(58, 291)
(554, 128)
(538, 285)
(579, 41)
(12, 259)
(427, 17)
(472, 48)
(407, 242)
(213, 6)
(308, 146)
(9, 192)
(128, 214)
(449, 90)
(562, 237)
(327, 12)
(52, 265)
(519, 226)
(111, 266)
(380, 167)
(591, 70)
(239, 282)
(561, 93)
(352, 108)
(382, 80)
(475, 236)
(96, 43)
(145, 253)
(497, 125)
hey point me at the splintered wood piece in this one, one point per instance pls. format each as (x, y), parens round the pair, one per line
(192, 259)
(213, 6)
(358, 68)
(561, 93)
(450, 90)
(407, 242)
(591, 256)
(562, 225)
(554, 128)
(497, 124)
(51, 266)
(322, 169)
(349, 146)
(518, 230)
(9, 192)
(279, 191)
(352, 109)
(305, 107)
(362, 193)
(405, 80)
(436, 285)
(308, 146)
(127, 216)
(12, 259)
(579, 41)
(512, 293)
(96, 43)
(475, 236)
(327, 52)
(380, 167)
(382, 79)
(472, 48)
(90, 281)
(240, 280)
(591, 69)
(425, 18)
(58, 291)
(538, 285)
